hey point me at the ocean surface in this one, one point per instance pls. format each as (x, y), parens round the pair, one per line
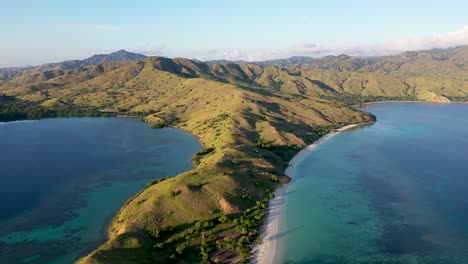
(62, 181)
(392, 192)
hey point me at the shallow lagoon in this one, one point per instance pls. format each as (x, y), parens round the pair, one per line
(64, 179)
(392, 192)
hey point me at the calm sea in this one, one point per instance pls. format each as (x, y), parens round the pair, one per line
(62, 180)
(392, 192)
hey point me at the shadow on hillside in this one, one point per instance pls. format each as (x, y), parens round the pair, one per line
(322, 86)
(265, 91)
(300, 129)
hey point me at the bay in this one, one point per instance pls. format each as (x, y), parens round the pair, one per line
(64, 179)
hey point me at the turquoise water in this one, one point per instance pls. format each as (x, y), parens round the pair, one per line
(392, 192)
(64, 179)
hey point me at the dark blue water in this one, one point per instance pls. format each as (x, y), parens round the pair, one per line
(392, 192)
(62, 180)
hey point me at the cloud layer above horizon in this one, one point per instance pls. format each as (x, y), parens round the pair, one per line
(435, 41)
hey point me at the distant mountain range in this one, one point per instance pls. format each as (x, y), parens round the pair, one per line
(123, 55)
(385, 64)
(345, 62)
(283, 63)
(120, 55)
(433, 75)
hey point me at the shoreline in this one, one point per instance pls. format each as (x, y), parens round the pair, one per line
(266, 251)
(417, 102)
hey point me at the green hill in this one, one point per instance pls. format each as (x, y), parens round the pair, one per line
(251, 120)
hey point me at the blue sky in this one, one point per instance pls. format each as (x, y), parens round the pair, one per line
(35, 32)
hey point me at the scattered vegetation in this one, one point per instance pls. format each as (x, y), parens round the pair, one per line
(357, 99)
(153, 182)
(285, 152)
(199, 155)
(13, 109)
(458, 99)
(207, 238)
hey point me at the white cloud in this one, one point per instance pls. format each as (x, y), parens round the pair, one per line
(446, 40)
(151, 50)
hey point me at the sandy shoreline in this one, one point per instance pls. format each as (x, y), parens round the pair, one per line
(265, 252)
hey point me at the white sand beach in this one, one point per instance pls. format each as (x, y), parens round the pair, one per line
(265, 252)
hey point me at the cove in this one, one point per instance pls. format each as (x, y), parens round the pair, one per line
(64, 179)
(391, 192)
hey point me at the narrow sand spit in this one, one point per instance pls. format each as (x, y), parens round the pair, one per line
(265, 252)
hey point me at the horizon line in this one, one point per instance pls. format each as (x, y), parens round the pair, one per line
(244, 60)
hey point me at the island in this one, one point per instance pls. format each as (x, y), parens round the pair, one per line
(251, 118)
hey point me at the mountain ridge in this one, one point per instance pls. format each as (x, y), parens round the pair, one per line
(427, 76)
(120, 55)
(299, 60)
